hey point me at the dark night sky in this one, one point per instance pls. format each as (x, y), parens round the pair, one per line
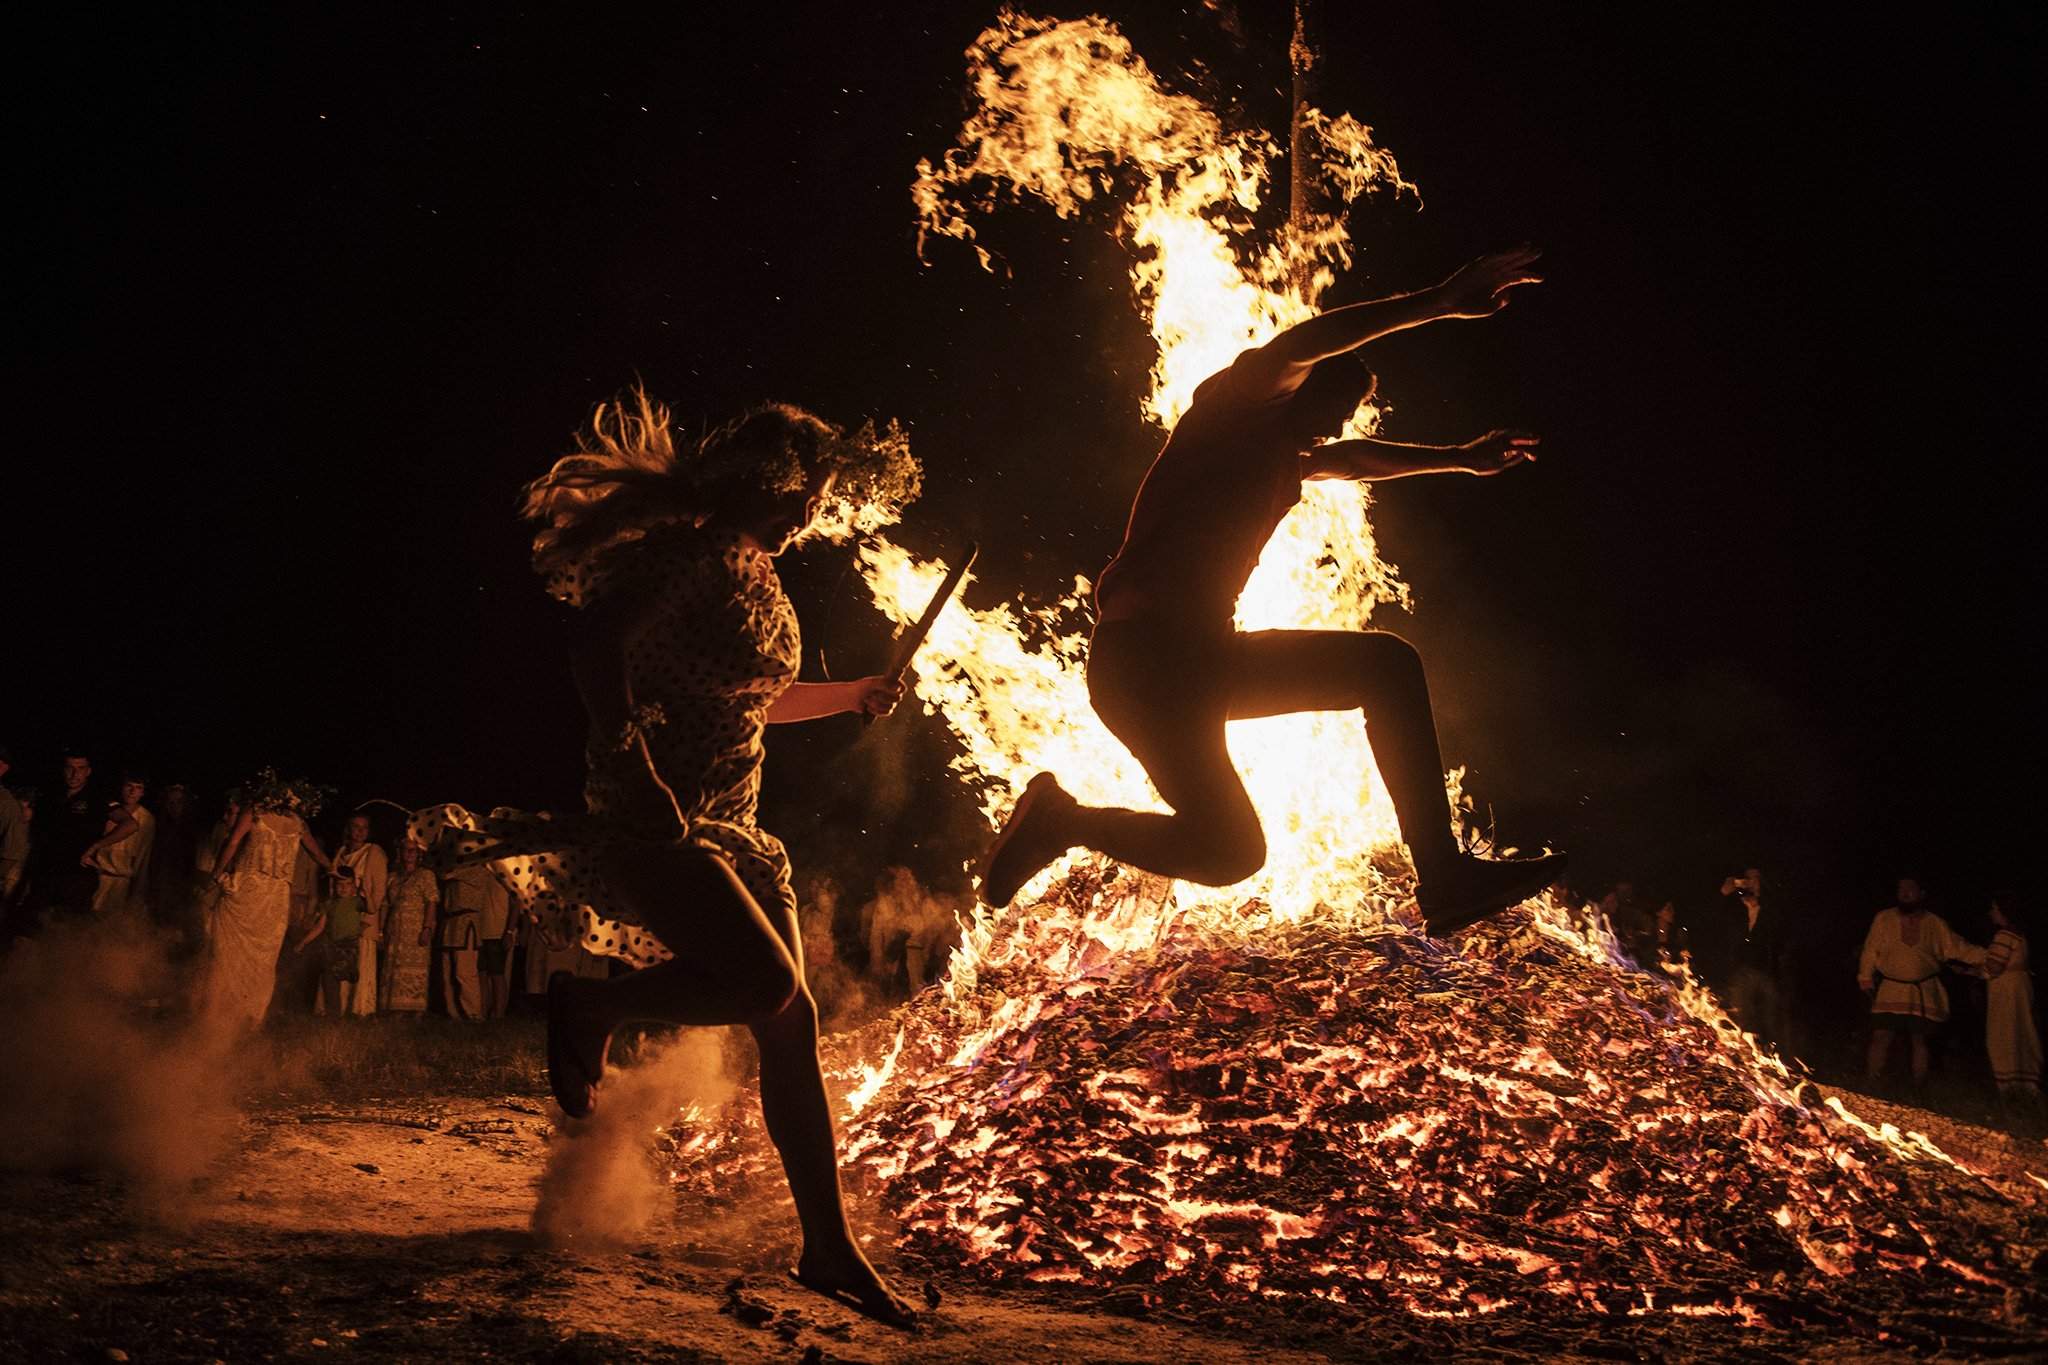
(309, 294)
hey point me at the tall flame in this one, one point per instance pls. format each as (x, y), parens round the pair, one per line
(1066, 113)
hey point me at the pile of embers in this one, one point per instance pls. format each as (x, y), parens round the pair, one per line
(1351, 1119)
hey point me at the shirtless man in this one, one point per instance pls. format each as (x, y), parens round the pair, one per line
(1167, 668)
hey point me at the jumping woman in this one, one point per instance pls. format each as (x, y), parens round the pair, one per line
(1167, 669)
(683, 647)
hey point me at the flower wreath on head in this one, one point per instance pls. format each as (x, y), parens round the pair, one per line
(877, 478)
(293, 795)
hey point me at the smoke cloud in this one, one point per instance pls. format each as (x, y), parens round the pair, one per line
(604, 1186)
(92, 1077)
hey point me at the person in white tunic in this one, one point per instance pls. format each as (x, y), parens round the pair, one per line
(121, 855)
(372, 873)
(1903, 957)
(246, 925)
(2009, 1031)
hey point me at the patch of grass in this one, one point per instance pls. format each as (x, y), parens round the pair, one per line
(302, 1058)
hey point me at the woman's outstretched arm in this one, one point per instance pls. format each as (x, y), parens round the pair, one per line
(874, 696)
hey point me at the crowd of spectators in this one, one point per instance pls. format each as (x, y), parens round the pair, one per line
(265, 920)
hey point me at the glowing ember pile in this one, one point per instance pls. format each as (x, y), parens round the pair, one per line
(1274, 1093)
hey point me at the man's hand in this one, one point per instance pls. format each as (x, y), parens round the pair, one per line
(1481, 288)
(1499, 450)
(879, 695)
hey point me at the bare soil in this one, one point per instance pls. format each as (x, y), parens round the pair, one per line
(400, 1231)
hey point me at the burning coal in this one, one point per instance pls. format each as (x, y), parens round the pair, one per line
(1338, 1112)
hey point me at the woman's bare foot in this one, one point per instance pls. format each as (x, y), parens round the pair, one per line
(842, 1273)
(579, 1043)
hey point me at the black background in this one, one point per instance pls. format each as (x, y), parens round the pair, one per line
(306, 294)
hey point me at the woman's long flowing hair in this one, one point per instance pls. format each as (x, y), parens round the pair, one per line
(628, 475)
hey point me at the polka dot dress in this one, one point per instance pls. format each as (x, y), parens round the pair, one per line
(713, 642)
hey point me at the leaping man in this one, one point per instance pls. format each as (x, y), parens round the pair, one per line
(1167, 668)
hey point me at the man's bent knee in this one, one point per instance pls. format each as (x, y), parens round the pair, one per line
(1224, 856)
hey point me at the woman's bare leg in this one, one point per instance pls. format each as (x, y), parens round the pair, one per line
(730, 964)
(737, 963)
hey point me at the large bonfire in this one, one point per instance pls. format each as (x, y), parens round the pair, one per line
(1275, 1092)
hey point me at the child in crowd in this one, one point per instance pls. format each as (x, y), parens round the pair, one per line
(338, 923)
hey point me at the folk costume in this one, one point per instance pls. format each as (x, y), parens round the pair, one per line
(1903, 955)
(715, 644)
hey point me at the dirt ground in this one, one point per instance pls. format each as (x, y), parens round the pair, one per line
(332, 1236)
(400, 1231)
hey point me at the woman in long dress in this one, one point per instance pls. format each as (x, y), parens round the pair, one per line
(683, 646)
(246, 926)
(407, 917)
(2009, 1032)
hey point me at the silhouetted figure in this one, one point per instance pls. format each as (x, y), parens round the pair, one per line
(14, 840)
(1167, 669)
(1627, 916)
(2010, 1034)
(1903, 956)
(1662, 940)
(173, 877)
(1753, 995)
(684, 646)
(69, 821)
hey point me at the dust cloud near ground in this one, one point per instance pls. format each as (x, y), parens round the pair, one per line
(603, 1186)
(90, 1079)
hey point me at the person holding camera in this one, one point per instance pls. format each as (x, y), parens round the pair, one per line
(1753, 996)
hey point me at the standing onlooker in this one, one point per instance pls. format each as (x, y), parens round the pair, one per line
(465, 893)
(13, 839)
(338, 923)
(407, 931)
(1664, 940)
(255, 870)
(2009, 1032)
(173, 883)
(371, 871)
(1901, 973)
(68, 823)
(1627, 917)
(121, 854)
(1753, 984)
(497, 935)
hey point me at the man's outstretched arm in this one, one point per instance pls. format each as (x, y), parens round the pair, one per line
(1478, 290)
(1369, 460)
